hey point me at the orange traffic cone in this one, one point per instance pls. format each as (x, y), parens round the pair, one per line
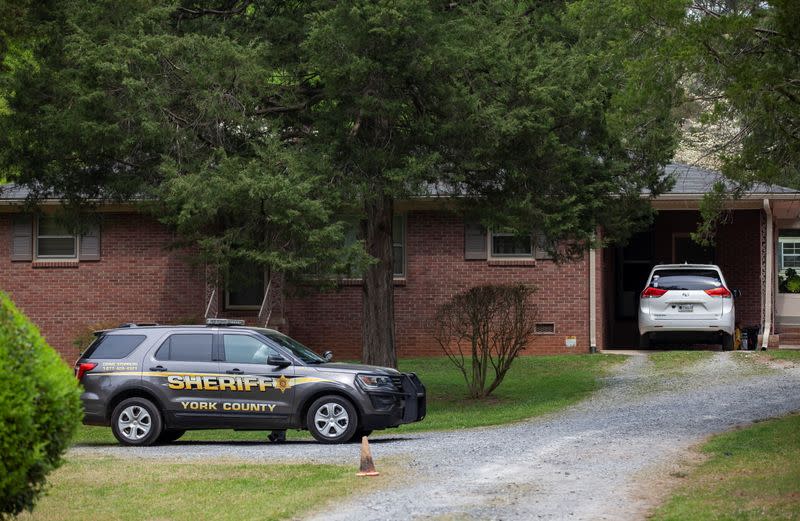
(367, 465)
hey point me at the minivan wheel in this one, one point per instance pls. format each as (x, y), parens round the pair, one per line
(136, 421)
(332, 419)
(170, 435)
(727, 342)
(644, 341)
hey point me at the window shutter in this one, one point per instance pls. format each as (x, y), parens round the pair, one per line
(474, 241)
(90, 244)
(22, 238)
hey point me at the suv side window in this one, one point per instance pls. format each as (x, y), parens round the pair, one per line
(244, 349)
(113, 346)
(187, 348)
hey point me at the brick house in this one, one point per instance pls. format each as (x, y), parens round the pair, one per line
(122, 270)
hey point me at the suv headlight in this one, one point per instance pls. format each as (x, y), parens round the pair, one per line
(373, 382)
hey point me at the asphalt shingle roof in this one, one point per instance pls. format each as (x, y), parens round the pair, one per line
(695, 180)
(689, 180)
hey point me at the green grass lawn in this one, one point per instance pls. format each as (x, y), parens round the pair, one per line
(792, 355)
(752, 473)
(677, 361)
(535, 385)
(122, 489)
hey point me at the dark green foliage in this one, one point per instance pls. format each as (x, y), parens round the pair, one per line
(39, 410)
(744, 57)
(742, 60)
(255, 123)
(789, 282)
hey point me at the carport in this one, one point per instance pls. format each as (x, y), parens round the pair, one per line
(745, 250)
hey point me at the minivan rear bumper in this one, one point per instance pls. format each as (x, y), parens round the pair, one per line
(649, 325)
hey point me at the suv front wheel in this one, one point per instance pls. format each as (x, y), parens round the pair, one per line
(136, 421)
(332, 419)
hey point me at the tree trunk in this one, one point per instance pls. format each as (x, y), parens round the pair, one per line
(378, 318)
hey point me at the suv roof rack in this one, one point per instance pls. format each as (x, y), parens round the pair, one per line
(143, 324)
(224, 322)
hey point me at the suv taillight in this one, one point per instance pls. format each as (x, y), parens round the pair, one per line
(721, 291)
(83, 368)
(651, 292)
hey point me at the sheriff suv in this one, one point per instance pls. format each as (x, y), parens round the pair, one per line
(152, 383)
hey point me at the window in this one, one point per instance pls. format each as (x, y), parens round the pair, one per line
(510, 245)
(351, 236)
(686, 279)
(186, 348)
(399, 245)
(245, 287)
(299, 350)
(243, 349)
(789, 261)
(114, 346)
(788, 250)
(54, 240)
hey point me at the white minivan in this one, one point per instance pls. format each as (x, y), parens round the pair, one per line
(687, 302)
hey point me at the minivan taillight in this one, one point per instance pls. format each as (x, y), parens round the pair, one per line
(83, 368)
(651, 292)
(721, 291)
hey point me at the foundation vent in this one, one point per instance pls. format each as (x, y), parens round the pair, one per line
(544, 328)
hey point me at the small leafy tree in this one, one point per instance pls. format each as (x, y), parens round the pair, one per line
(40, 409)
(483, 329)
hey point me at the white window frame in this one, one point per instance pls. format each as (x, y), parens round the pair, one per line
(36, 238)
(781, 241)
(491, 234)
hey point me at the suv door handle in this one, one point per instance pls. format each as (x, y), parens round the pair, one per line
(158, 368)
(235, 371)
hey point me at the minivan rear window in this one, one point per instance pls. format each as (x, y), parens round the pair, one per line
(113, 346)
(686, 279)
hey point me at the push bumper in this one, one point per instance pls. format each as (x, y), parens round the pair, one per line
(391, 409)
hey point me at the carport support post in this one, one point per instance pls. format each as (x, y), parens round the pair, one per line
(768, 279)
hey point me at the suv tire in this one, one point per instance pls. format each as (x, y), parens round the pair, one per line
(170, 435)
(136, 421)
(332, 419)
(644, 341)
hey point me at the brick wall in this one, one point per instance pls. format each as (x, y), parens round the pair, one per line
(436, 270)
(137, 280)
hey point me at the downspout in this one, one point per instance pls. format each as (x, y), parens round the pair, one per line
(592, 301)
(769, 289)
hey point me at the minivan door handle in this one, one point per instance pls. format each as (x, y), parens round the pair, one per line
(158, 368)
(235, 371)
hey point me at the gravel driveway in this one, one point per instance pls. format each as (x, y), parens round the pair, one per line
(600, 459)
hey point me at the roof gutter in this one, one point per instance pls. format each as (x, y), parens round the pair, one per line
(769, 283)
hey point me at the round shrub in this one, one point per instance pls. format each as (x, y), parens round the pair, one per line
(40, 409)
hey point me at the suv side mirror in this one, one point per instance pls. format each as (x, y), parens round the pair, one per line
(736, 293)
(278, 360)
(328, 356)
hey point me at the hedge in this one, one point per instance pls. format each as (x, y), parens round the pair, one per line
(40, 410)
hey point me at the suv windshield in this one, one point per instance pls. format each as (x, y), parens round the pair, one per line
(686, 279)
(299, 350)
